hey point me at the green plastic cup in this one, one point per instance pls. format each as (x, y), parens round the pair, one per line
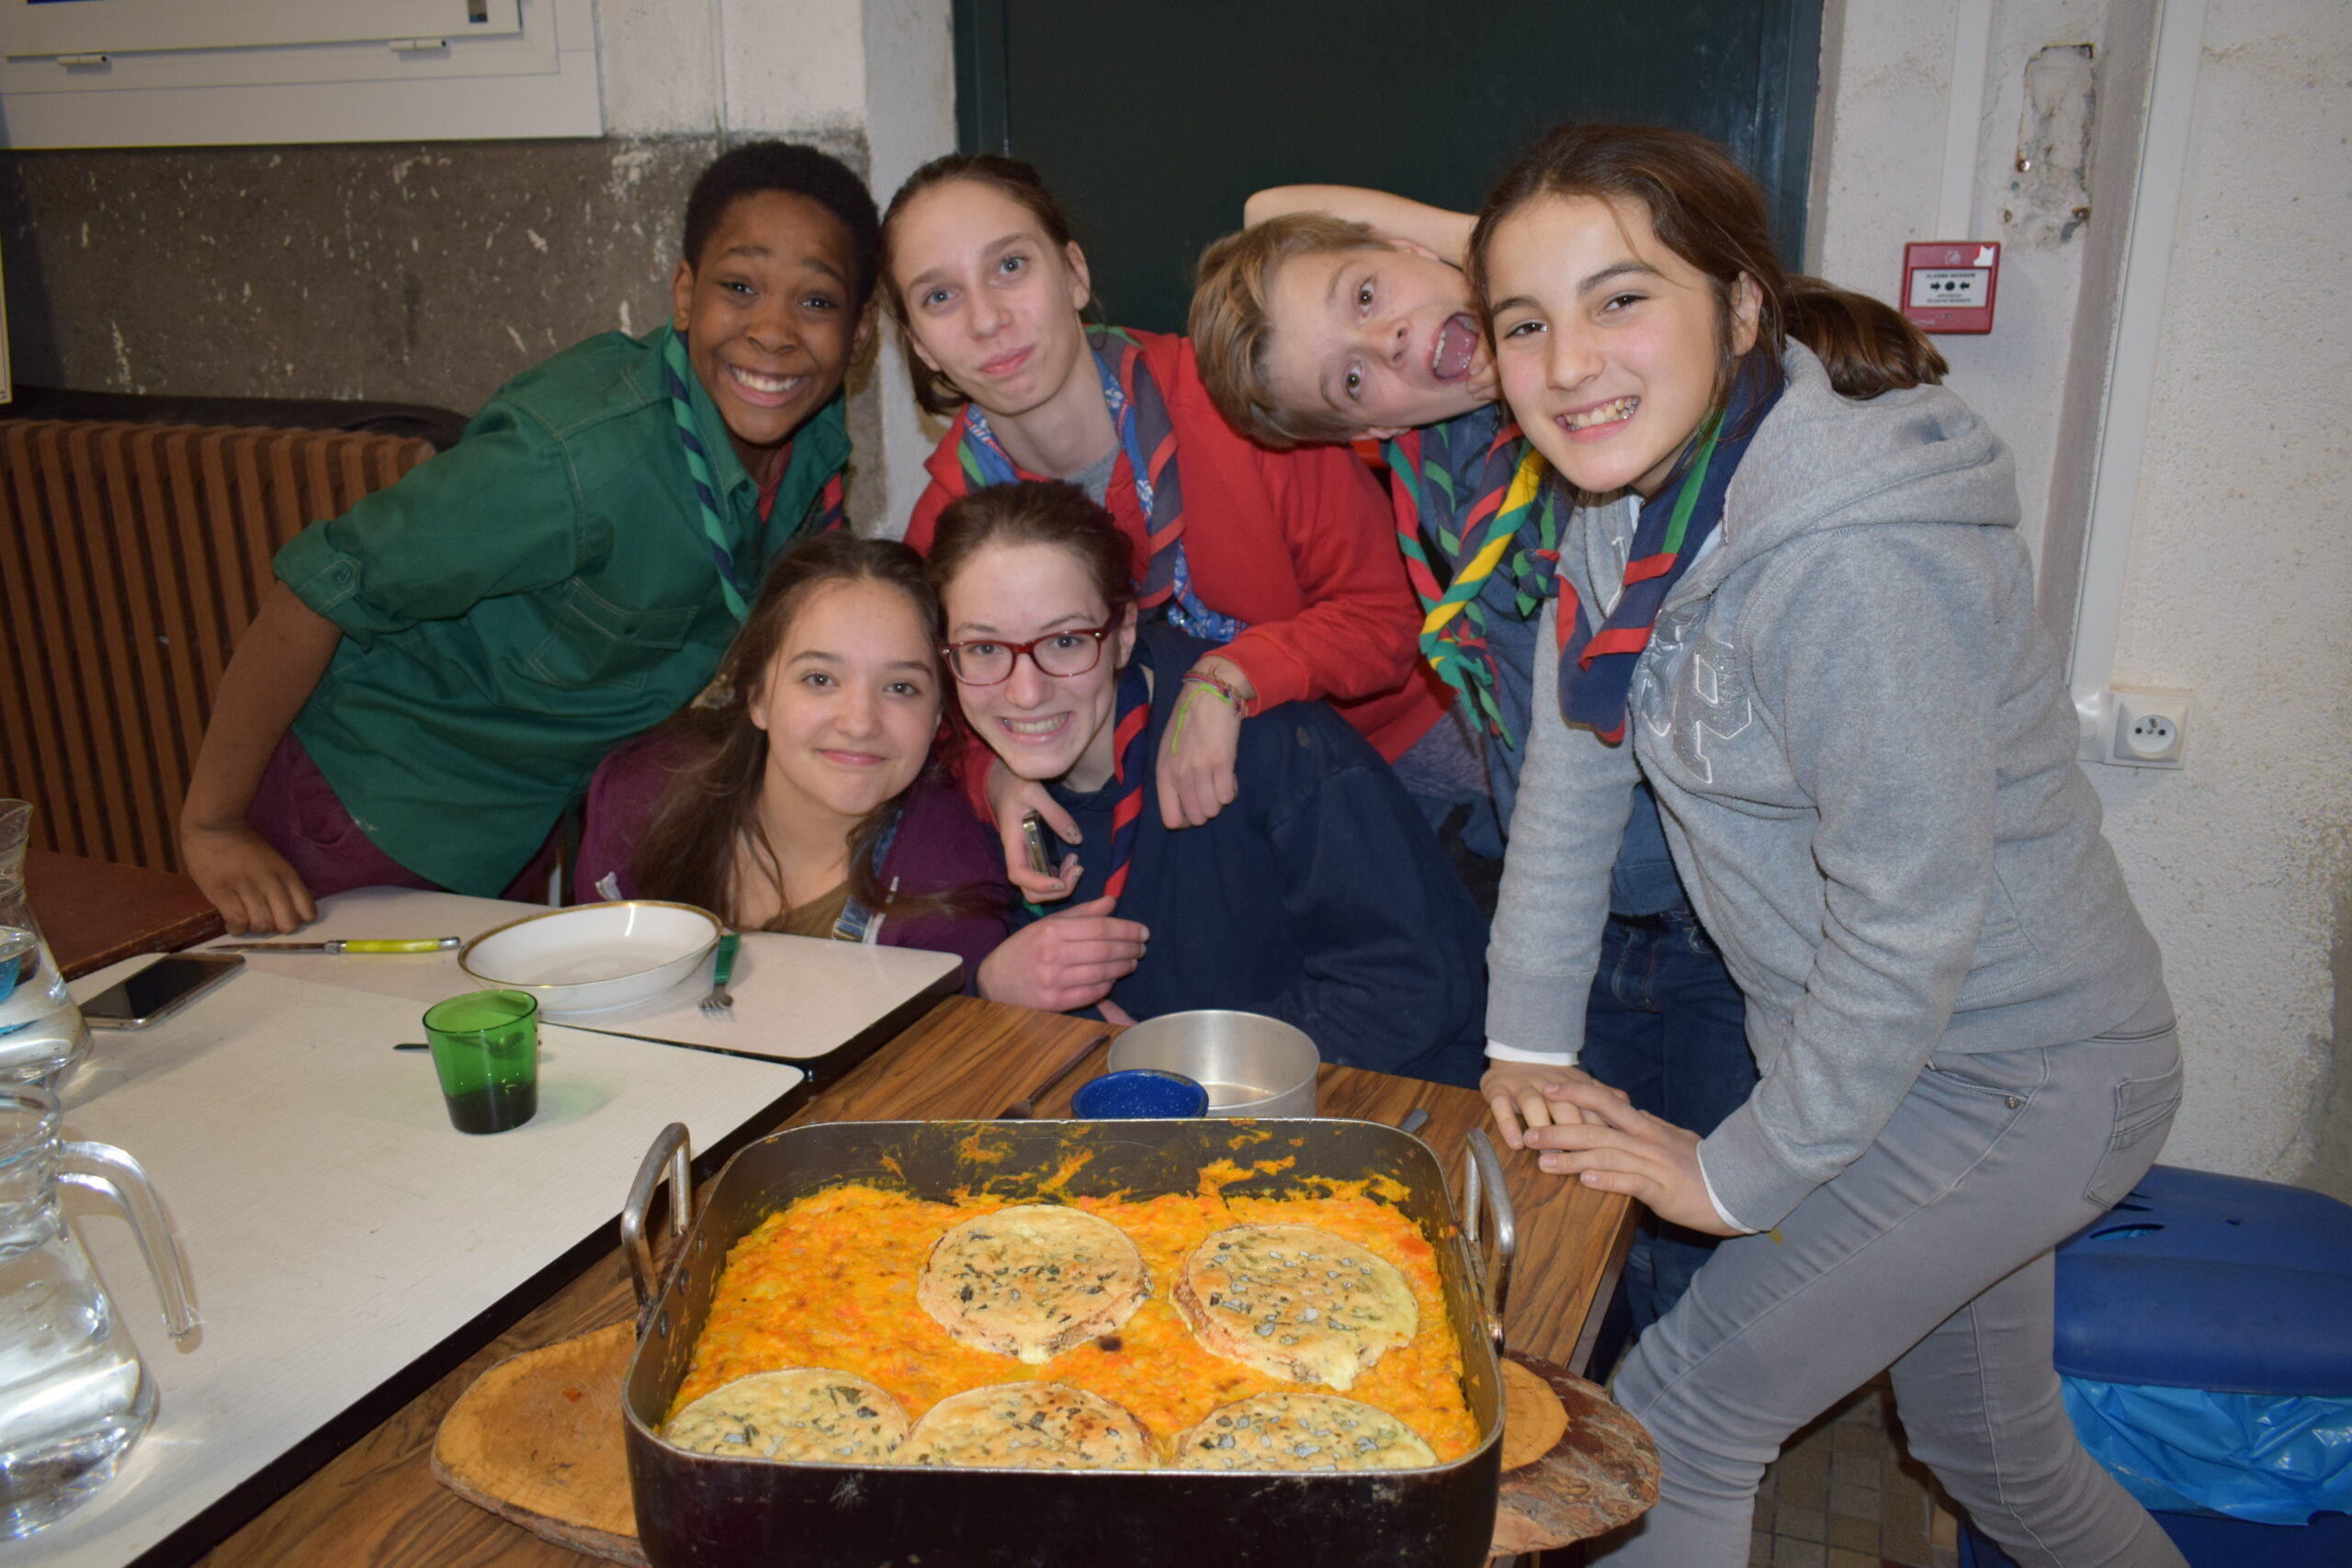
(486, 1050)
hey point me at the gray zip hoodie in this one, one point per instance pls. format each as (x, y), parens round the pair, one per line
(1864, 754)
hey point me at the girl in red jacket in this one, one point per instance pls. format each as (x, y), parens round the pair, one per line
(1286, 561)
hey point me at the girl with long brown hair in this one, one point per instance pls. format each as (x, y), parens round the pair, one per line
(1796, 604)
(802, 797)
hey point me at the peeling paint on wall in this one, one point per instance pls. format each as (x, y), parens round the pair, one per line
(408, 273)
(2049, 198)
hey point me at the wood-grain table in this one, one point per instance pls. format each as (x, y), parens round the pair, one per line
(94, 912)
(377, 1504)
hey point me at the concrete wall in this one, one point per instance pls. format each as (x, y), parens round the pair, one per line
(2239, 585)
(432, 273)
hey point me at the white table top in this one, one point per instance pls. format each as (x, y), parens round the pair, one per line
(795, 998)
(337, 1229)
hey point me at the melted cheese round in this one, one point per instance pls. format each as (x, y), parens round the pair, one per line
(807, 1415)
(1296, 1302)
(830, 1282)
(1033, 1281)
(1029, 1426)
(1301, 1431)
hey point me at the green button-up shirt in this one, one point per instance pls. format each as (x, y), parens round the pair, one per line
(514, 608)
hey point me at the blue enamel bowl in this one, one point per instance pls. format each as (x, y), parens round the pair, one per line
(1139, 1092)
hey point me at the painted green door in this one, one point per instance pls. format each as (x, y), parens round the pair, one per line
(1152, 122)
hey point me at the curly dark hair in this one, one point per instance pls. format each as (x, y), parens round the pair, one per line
(787, 166)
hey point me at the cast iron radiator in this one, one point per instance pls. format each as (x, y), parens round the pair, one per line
(133, 556)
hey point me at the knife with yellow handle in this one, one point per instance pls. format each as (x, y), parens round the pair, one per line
(361, 944)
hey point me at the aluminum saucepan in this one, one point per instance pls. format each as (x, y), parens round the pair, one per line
(1251, 1065)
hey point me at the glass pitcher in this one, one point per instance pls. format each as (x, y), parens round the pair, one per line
(73, 1394)
(42, 1032)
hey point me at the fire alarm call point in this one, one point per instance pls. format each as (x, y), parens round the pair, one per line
(1948, 285)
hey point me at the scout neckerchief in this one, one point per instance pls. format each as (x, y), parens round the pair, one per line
(1148, 438)
(1596, 668)
(1130, 763)
(1471, 488)
(826, 512)
(859, 924)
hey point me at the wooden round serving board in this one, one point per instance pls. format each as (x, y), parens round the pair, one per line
(537, 1441)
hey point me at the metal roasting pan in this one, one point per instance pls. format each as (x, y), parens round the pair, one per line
(697, 1511)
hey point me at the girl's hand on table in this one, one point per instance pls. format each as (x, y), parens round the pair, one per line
(250, 883)
(1514, 1092)
(1196, 775)
(1619, 1149)
(1067, 961)
(1012, 799)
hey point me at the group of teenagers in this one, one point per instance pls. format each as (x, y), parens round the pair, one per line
(1576, 534)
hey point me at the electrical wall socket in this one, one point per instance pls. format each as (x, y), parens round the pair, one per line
(2129, 727)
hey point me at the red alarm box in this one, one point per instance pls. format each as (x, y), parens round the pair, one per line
(1948, 285)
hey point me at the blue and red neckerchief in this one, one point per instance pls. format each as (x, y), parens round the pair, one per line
(1147, 440)
(1597, 667)
(1131, 764)
(1473, 490)
(827, 511)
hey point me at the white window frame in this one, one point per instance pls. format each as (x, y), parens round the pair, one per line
(210, 72)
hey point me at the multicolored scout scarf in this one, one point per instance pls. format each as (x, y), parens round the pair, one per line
(827, 513)
(1597, 667)
(1130, 763)
(1148, 435)
(1476, 491)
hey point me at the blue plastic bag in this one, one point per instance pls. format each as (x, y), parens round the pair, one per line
(2265, 1458)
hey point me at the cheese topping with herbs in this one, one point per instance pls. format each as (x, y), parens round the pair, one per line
(1032, 1281)
(1029, 1426)
(1296, 1302)
(805, 1414)
(1301, 1431)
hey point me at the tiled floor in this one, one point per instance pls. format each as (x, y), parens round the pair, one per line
(1843, 1494)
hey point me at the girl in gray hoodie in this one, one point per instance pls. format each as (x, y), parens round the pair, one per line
(1797, 605)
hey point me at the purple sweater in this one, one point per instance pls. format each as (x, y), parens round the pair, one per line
(940, 847)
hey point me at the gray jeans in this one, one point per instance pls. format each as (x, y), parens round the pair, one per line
(1931, 1254)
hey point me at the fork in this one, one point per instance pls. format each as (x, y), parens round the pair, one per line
(721, 1003)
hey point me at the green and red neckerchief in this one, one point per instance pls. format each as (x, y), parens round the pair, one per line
(1472, 489)
(828, 511)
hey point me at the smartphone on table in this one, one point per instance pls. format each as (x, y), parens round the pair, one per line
(153, 994)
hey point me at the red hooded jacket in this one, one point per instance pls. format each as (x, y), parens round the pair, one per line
(1300, 546)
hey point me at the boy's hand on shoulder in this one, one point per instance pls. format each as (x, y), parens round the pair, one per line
(1514, 1092)
(1196, 778)
(250, 883)
(1067, 961)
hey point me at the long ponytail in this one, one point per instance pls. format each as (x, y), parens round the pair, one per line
(1707, 209)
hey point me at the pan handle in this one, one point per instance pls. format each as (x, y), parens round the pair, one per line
(669, 1153)
(1484, 1195)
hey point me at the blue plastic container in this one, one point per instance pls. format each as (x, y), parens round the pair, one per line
(1139, 1092)
(2199, 1281)
(2217, 1282)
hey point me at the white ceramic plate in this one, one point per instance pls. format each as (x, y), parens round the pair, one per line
(595, 956)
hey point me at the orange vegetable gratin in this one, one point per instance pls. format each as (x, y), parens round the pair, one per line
(830, 1282)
